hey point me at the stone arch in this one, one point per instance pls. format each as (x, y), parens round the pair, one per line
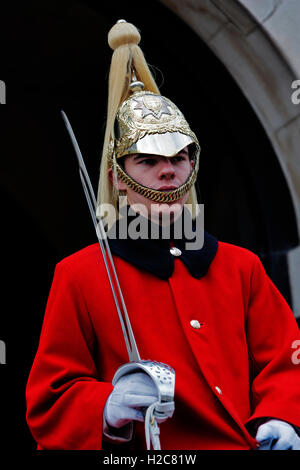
(257, 42)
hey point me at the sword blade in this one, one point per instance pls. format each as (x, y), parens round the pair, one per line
(132, 350)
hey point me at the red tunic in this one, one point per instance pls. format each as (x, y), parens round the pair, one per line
(247, 332)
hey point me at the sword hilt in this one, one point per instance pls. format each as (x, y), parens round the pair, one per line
(163, 377)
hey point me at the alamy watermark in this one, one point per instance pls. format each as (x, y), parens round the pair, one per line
(2, 92)
(296, 95)
(160, 221)
(2, 352)
(296, 354)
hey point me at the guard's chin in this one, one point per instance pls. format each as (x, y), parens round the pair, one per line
(165, 213)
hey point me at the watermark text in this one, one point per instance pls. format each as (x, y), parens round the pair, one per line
(296, 95)
(2, 352)
(161, 221)
(296, 354)
(2, 92)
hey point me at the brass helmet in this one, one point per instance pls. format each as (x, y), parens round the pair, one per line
(147, 123)
(152, 124)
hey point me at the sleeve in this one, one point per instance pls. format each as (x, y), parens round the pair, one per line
(65, 395)
(273, 335)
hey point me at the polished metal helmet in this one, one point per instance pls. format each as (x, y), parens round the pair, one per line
(148, 123)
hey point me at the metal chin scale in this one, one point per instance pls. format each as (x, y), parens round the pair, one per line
(162, 375)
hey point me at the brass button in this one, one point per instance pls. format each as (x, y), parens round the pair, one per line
(195, 324)
(218, 390)
(175, 251)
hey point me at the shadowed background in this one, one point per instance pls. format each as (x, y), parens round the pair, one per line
(55, 56)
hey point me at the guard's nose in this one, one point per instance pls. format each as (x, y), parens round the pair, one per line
(167, 170)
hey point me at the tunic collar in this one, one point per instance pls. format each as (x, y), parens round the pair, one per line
(154, 255)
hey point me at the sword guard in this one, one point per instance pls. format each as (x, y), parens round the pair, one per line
(163, 377)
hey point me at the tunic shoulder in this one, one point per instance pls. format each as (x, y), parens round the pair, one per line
(83, 261)
(238, 252)
(233, 257)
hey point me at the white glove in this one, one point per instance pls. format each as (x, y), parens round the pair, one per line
(131, 395)
(277, 435)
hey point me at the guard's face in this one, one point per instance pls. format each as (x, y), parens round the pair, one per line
(157, 172)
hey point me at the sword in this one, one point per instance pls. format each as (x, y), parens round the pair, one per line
(162, 374)
(132, 350)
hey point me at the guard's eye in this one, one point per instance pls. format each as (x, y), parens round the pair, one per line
(148, 161)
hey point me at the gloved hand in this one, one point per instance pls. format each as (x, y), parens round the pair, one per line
(277, 435)
(131, 394)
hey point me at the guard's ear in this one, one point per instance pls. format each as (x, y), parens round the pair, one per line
(110, 174)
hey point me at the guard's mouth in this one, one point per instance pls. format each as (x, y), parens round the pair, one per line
(167, 188)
